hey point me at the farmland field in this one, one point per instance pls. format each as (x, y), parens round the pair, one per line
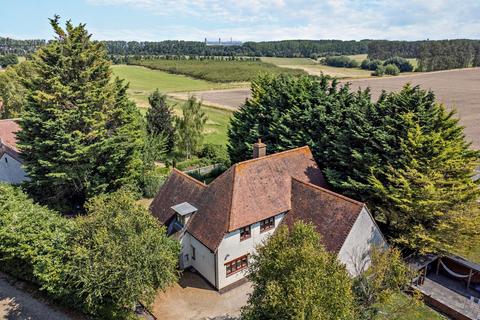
(464, 95)
(143, 81)
(314, 68)
(217, 70)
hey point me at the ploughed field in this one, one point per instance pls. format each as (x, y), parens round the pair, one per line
(459, 89)
(216, 70)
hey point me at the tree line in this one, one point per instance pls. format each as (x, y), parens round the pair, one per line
(431, 55)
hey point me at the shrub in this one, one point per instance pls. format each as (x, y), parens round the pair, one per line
(216, 153)
(33, 240)
(379, 72)
(121, 255)
(340, 61)
(372, 65)
(403, 64)
(152, 181)
(392, 70)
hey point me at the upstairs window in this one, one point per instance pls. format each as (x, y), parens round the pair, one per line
(245, 233)
(267, 224)
(236, 265)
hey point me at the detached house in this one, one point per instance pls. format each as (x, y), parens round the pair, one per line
(10, 162)
(220, 224)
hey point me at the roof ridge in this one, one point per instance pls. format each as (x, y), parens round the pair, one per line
(272, 155)
(329, 192)
(231, 198)
(189, 177)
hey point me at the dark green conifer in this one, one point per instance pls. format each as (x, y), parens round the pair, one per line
(81, 135)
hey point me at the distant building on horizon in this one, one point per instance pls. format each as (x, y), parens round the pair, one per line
(224, 43)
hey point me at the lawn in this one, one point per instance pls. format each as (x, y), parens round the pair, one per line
(216, 70)
(402, 308)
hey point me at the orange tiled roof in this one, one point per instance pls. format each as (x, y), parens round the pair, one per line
(246, 193)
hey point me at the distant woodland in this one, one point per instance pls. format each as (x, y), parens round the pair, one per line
(431, 54)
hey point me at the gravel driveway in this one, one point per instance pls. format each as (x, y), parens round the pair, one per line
(18, 304)
(194, 299)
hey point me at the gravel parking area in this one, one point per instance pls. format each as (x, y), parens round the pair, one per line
(194, 299)
(17, 303)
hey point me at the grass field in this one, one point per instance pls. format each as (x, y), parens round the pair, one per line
(143, 81)
(217, 70)
(402, 308)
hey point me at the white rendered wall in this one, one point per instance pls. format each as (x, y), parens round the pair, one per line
(204, 261)
(363, 235)
(11, 170)
(231, 248)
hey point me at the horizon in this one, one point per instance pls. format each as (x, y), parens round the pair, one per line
(252, 20)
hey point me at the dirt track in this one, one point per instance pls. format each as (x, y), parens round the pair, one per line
(458, 89)
(18, 304)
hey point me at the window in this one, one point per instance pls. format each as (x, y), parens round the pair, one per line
(245, 233)
(6, 160)
(267, 224)
(236, 265)
(193, 252)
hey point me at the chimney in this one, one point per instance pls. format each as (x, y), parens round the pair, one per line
(259, 149)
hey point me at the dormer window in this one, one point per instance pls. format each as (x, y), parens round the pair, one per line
(184, 212)
(245, 233)
(267, 224)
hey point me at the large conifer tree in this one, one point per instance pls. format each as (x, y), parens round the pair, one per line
(160, 119)
(81, 135)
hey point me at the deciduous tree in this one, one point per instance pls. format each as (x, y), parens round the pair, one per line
(190, 127)
(121, 255)
(294, 277)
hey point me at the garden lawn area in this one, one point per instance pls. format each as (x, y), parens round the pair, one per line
(403, 309)
(216, 70)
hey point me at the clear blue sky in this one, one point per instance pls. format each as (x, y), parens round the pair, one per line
(247, 19)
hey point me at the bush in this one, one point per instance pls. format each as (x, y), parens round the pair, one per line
(372, 65)
(392, 70)
(8, 60)
(216, 153)
(340, 61)
(120, 256)
(193, 163)
(402, 64)
(33, 240)
(152, 181)
(379, 72)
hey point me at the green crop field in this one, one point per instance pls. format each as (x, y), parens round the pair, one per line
(216, 70)
(143, 81)
(289, 61)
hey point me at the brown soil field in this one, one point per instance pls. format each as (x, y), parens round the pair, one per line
(459, 89)
(230, 99)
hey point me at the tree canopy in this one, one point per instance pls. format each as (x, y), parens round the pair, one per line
(294, 277)
(81, 135)
(121, 255)
(190, 127)
(160, 118)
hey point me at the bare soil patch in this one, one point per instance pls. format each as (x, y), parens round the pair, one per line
(459, 89)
